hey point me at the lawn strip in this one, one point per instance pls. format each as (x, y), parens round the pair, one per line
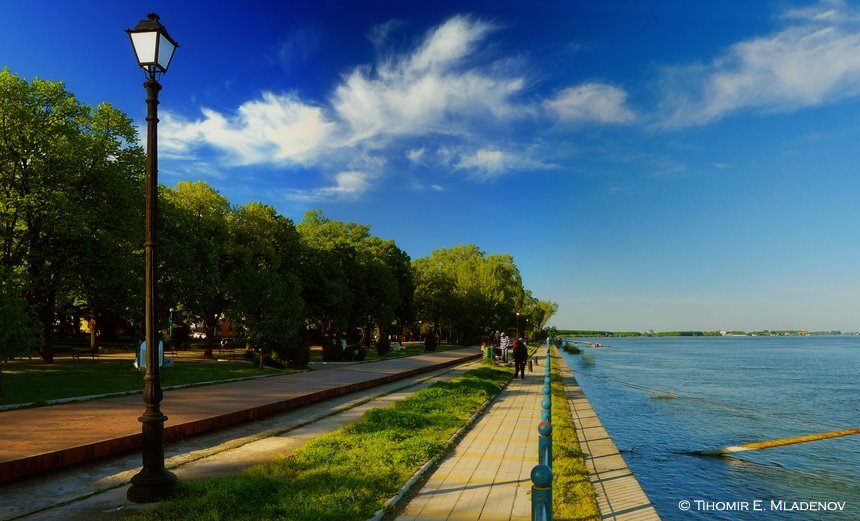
(38, 384)
(572, 492)
(347, 474)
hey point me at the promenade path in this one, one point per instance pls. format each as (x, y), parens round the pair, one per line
(45, 438)
(487, 477)
(618, 493)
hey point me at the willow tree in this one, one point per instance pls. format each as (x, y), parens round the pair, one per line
(468, 291)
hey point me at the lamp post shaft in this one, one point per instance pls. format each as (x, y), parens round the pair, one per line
(154, 482)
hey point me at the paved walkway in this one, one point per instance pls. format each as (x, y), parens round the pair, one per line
(45, 438)
(619, 495)
(487, 476)
(96, 491)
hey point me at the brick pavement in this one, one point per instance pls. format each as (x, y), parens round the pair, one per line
(45, 438)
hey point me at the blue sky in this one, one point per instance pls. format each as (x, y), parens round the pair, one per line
(649, 165)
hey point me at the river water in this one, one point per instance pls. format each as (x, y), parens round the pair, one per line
(705, 393)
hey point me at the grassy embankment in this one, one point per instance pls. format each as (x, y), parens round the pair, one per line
(347, 474)
(30, 381)
(572, 493)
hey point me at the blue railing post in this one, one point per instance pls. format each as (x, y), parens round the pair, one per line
(542, 472)
(545, 444)
(541, 493)
(546, 404)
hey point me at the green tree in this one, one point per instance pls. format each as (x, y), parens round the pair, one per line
(328, 271)
(372, 284)
(264, 285)
(108, 274)
(18, 335)
(54, 154)
(471, 293)
(199, 278)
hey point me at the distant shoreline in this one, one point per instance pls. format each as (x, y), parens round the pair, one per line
(580, 333)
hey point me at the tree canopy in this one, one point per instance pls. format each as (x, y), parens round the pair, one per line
(71, 217)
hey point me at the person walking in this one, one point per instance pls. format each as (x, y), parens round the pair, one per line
(521, 354)
(505, 344)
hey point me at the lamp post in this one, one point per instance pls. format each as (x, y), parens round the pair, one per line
(518, 325)
(153, 48)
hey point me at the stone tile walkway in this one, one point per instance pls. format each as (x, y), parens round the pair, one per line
(487, 476)
(619, 495)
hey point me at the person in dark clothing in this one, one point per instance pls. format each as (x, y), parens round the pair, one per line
(521, 354)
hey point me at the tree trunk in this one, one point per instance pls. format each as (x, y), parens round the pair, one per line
(46, 316)
(94, 346)
(211, 323)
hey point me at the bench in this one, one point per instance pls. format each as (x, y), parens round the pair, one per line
(228, 349)
(76, 354)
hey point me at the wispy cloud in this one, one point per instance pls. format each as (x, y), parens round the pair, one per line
(416, 155)
(436, 88)
(814, 60)
(275, 129)
(591, 102)
(448, 101)
(488, 163)
(348, 185)
(299, 47)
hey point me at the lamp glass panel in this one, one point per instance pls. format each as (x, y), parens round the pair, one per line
(144, 47)
(165, 52)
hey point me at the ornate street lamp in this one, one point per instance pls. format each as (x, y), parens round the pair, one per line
(154, 49)
(518, 325)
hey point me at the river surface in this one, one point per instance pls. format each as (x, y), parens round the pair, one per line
(661, 398)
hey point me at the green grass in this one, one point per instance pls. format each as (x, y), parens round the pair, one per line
(347, 474)
(26, 381)
(572, 493)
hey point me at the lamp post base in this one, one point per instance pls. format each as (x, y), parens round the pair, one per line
(152, 487)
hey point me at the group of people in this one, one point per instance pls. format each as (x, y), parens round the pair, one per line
(505, 344)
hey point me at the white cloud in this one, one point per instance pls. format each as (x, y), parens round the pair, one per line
(446, 90)
(430, 90)
(348, 185)
(275, 129)
(813, 62)
(416, 154)
(488, 163)
(591, 102)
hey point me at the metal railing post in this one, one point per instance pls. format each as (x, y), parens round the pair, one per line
(541, 493)
(542, 473)
(545, 444)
